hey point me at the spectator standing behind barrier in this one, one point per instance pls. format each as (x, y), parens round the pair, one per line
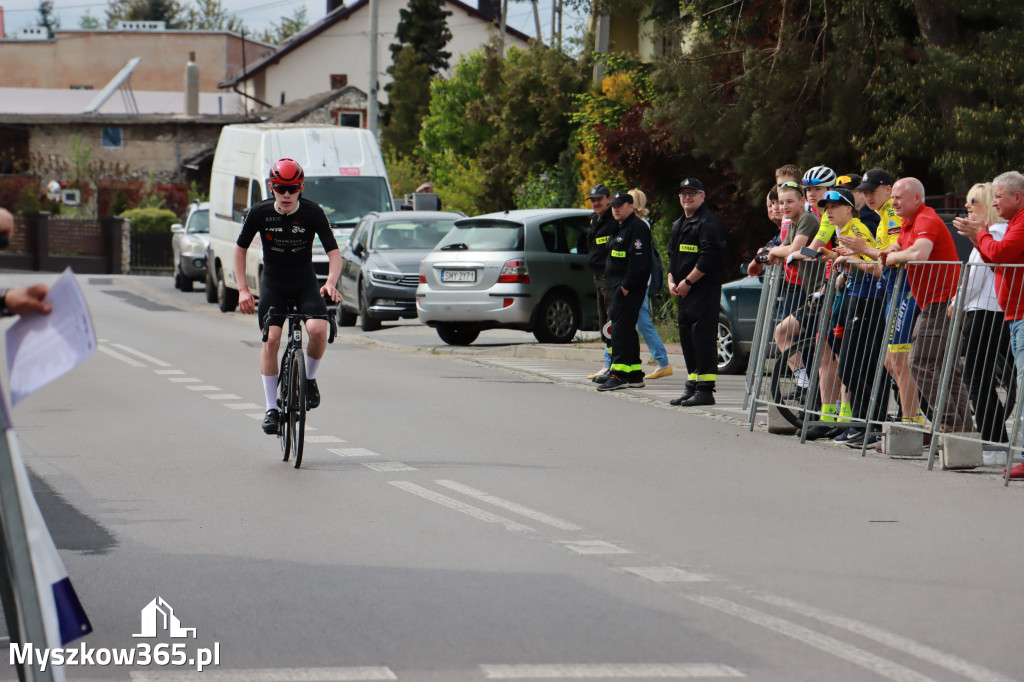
(20, 300)
(984, 334)
(756, 266)
(695, 278)
(644, 324)
(628, 272)
(1008, 199)
(925, 237)
(602, 227)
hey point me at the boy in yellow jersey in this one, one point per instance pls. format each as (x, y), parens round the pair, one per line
(858, 353)
(877, 189)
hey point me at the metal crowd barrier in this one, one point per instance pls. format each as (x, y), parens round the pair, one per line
(951, 381)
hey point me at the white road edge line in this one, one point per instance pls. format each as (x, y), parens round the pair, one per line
(140, 354)
(117, 356)
(892, 640)
(353, 674)
(452, 503)
(608, 671)
(509, 506)
(865, 659)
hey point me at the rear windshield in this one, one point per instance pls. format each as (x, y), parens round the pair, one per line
(483, 237)
(408, 234)
(347, 199)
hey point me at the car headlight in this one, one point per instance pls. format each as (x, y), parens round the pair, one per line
(193, 244)
(381, 277)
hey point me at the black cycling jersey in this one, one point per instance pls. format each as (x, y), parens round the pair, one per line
(288, 274)
(287, 239)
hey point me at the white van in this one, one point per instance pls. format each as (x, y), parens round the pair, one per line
(345, 174)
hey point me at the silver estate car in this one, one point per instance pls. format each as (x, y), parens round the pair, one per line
(188, 244)
(513, 270)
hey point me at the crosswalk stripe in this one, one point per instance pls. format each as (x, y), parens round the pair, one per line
(509, 506)
(452, 503)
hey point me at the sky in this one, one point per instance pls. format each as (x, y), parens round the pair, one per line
(256, 14)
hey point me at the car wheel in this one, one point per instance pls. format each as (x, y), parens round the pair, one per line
(366, 323)
(186, 283)
(227, 299)
(457, 334)
(211, 288)
(729, 359)
(556, 319)
(345, 318)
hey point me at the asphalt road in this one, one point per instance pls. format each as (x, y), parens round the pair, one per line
(492, 516)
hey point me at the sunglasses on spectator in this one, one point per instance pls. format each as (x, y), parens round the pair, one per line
(789, 183)
(844, 180)
(286, 189)
(836, 197)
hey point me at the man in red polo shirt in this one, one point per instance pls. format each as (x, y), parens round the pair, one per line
(934, 274)
(1008, 198)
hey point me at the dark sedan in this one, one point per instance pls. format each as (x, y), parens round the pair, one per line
(736, 322)
(380, 265)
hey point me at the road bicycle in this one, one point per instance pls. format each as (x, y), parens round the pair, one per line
(291, 383)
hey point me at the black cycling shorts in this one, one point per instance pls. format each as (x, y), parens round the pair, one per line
(305, 293)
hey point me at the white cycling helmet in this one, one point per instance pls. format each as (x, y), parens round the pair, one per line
(819, 176)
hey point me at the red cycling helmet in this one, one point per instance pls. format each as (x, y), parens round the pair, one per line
(286, 172)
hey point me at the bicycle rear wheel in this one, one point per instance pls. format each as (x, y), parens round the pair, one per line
(297, 407)
(790, 398)
(284, 402)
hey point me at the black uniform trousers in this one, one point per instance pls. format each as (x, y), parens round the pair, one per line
(603, 298)
(698, 333)
(625, 310)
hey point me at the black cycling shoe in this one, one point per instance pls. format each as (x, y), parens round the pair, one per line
(271, 422)
(312, 394)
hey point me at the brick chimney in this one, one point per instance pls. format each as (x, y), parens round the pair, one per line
(490, 9)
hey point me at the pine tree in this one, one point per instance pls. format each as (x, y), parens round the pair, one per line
(423, 25)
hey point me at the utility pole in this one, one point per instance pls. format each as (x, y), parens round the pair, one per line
(371, 113)
(501, 29)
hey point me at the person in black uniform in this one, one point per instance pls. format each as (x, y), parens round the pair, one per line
(287, 225)
(602, 227)
(627, 272)
(695, 278)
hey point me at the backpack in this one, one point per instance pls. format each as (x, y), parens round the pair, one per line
(657, 271)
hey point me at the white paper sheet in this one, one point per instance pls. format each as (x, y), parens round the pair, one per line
(41, 348)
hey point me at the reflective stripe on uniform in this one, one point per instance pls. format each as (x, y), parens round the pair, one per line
(707, 377)
(692, 376)
(602, 240)
(618, 254)
(626, 369)
(689, 248)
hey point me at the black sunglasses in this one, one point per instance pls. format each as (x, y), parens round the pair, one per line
(286, 189)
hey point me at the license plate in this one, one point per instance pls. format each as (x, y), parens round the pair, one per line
(458, 275)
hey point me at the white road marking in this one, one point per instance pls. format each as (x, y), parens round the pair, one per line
(608, 671)
(388, 466)
(324, 439)
(259, 416)
(242, 406)
(204, 387)
(268, 675)
(352, 452)
(140, 354)
(509, 506)
(926, 653)
(865, 659)
(666, 574)
(593, 547)
(167, 372)
(117, 356)
(467, 509)
(185, 380)
(223, 396)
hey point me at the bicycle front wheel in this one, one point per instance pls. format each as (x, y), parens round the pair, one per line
(297, 407)
(284, 403)
(790, 398)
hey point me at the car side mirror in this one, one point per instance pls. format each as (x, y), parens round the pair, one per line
(177, 228)
(358, 250)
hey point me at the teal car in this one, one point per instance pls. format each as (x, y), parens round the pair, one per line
(736, 322)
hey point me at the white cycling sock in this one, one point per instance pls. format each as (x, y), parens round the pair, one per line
(270, 390)
(802, 380)
(311, 367)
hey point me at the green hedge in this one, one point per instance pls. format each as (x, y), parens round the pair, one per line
(150, 219)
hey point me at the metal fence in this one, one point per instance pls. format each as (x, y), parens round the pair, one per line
(921, 355)
(151, 250)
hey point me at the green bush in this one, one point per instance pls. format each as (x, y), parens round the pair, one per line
(150, 219)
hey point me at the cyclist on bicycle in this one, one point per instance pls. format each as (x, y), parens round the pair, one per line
(287, 225)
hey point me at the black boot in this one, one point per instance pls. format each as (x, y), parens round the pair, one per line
(705, 395)
(688, 392)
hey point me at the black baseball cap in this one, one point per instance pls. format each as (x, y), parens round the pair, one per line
(873, 178)
(849, 181)
(838, 196)
(599, 190)
(691, 183)
(621, 198)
